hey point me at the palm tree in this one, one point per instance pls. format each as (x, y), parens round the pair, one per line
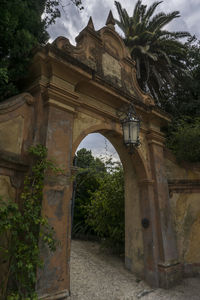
(159, 55)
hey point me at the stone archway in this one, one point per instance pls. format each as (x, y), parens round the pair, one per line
(139, 196)
(76, 91)
(134, 248)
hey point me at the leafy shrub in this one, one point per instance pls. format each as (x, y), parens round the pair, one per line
(86, 181)
(99, 200)
(106, 209)
(21, 229)
(184, 139)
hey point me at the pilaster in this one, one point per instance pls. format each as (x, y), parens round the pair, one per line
(53, 279)
(148, 223)
(169, 269)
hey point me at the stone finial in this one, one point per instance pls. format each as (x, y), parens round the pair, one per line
(90, 24)
(110, 20)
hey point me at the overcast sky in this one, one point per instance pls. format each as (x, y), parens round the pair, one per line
(72, 21)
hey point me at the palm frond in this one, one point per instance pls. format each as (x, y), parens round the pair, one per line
(159, 54)
(151, 10)
(138, 68)
(147, 67)
(123, 15)
(158, 77)
(175, 34)
(164, 54)
(136, 12)
(162, 19)
(118, 23)
(142, 12)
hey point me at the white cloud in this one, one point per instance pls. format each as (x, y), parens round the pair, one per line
(99, 146)
(73, 21)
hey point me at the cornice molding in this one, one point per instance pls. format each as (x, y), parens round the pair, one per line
(15, 102)
(184, 186)
(12, 161)
(155, 137)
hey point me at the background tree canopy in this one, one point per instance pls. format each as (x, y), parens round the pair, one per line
(99, 200)
(86, 182)
(105, 211)
(184, 99)
(183, 102)
(22, 28)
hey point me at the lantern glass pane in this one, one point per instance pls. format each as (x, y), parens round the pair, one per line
(126, 132)
(133, 132)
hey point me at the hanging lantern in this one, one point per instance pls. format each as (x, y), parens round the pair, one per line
(131, 129)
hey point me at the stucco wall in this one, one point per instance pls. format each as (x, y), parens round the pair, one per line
(184, 186)
(15, 137)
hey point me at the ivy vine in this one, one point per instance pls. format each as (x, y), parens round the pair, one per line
(21, 228)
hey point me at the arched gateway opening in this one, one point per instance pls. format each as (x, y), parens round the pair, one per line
(75, 91)
(134, 249)
(134, 170)
(99, 178)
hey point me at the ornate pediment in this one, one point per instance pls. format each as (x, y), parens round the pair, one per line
(105, 53)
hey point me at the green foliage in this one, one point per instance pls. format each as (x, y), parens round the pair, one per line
(85, 160)
(22, 227)
(99, 200)
(87, 181)
(184, 139)
(184, 99)
(78, 3)
(23, 26)
(106, 209)
(183, 103)
(159, 55)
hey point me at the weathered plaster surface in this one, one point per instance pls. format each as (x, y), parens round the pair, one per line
(83, 122)
(185, 209)
(111, 67)
(11, 135)
(176, 171)
(144, 146)
(134, 251)
(7, 191)
(184, 182)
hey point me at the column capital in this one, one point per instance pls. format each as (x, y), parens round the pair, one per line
(155, 137)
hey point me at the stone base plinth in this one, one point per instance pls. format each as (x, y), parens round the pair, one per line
(62, 295)
(169, 274)
(191, 270)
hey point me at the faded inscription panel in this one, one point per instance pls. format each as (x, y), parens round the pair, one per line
(111, 66)
(11, 135)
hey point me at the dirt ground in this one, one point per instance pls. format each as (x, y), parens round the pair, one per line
(98, 275)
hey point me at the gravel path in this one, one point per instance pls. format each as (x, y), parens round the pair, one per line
(97, 275)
